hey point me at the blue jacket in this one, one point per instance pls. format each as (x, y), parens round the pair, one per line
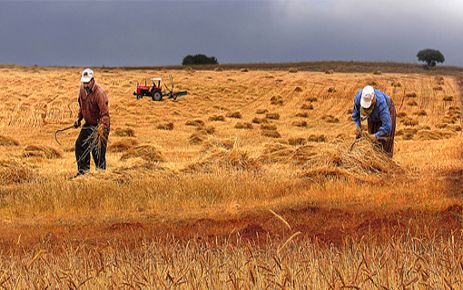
(380, 113)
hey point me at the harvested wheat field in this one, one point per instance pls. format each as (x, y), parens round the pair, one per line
(252, 180)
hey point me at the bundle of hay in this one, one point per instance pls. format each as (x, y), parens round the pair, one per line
(276, 153)
(197, 137)
(296, 141)
(268, 127)
(122, 145)
(364, 159)
(307, 107)
(219, 158)
(311, 99)
(302, 115)
(276, 100)
(447, 98)
(316, 138)
(292, 70)
(261, 111)
(217, 118)
(272, 116)
(270, 133)
(145, 152)
(195, 123)
(236, 115)
(243, 125)
(41, 151)
(299, 123)
(8, 141)
(330, 119)
(298, 89)
(257, 120)
(332, 90)
(214, 143)
(166, 126)
(407, 121)
(126, 132)
(13, 171)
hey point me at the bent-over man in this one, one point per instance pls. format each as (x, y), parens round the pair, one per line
(379, 111)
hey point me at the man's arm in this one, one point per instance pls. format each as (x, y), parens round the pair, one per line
(356, 110)
(386, 122)
(102, 102)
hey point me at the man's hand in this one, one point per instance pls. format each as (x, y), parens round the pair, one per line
(372, 137)
(358, 132)
(77, 123)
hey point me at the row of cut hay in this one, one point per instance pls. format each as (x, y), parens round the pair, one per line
(8, 141)
(41, 151)
(146, 152)
(362, 160)
(14, 171)
(220, 158)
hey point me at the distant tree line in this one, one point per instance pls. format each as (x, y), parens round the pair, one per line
(199, 59)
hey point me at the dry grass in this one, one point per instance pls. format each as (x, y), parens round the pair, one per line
(235, 264)
(15, 171)
(169, 126)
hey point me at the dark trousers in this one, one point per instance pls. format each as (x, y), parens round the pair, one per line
(388, 144)
(83, 150)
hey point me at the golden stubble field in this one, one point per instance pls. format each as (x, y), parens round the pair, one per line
(245, 182)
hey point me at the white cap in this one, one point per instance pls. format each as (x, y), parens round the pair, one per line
(87, 75)
(368, 93)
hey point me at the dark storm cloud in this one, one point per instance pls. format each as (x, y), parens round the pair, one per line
(163, 32)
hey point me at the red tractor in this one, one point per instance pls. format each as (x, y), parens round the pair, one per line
(154, 90)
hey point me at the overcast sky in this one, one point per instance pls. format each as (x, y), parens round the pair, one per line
(145, 33)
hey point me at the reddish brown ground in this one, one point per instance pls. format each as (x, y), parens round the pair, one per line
(326, 225)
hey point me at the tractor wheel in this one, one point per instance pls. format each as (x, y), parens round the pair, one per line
(157, 96)
(139, 97)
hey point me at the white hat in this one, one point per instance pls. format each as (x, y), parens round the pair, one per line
(368, 93)
(87, 75)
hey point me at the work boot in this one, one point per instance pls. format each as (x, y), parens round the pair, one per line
(77, 175)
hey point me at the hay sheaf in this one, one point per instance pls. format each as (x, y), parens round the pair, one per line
(41, 151)
(122, 145)
(220, 158)
(214, 143)
(8, 141)
(126, 132)
(363, 160)
(13, 171)
(145, 152)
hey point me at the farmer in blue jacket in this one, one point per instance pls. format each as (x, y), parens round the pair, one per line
(378, 109)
